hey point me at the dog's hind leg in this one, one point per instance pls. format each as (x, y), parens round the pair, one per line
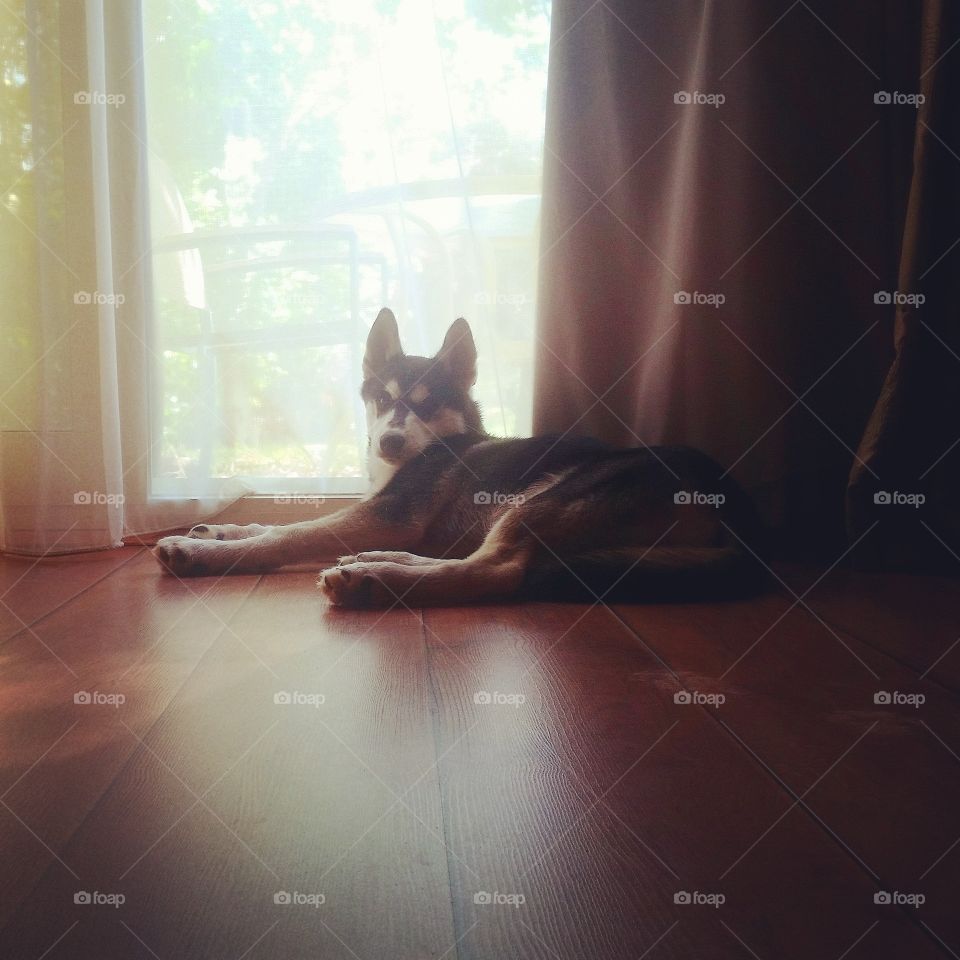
(496, 569)
(444, 582)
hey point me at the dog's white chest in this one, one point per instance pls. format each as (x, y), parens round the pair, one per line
(380, 473)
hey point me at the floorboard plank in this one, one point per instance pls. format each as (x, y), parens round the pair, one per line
(598, 799)
(337, 799)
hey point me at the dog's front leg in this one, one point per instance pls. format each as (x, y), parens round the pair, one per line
(356, 528)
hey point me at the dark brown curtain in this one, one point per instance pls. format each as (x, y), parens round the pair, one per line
(736, 195)
(912, 440)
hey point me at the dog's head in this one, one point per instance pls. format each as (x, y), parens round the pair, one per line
(412, 402)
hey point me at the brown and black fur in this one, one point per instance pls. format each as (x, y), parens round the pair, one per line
(455, 516)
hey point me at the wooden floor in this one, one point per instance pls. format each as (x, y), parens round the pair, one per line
(498, 782)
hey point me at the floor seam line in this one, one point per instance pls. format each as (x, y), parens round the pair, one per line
(444, 820)
(26, 628)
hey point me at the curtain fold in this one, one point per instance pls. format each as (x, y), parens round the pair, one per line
(726, 188)
(57, 493)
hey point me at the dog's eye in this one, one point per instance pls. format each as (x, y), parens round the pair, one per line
(384, 400)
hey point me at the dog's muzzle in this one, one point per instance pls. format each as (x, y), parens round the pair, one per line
(391, 445)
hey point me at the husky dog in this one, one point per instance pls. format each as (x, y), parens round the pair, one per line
(454, 515)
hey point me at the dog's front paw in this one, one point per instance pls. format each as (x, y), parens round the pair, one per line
(182, 556)
(354, 585)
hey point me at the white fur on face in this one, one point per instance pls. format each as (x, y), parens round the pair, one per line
(380, 473)
(418, 435)
(379, 470)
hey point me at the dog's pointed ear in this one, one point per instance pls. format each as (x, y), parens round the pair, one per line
(459, 354)
(383, 343)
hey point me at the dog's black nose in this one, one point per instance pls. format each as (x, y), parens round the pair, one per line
(391, 444)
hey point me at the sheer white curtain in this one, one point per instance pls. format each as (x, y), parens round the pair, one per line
(75, 447)
(204, 206)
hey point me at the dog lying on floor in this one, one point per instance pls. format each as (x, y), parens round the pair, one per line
(455, 516)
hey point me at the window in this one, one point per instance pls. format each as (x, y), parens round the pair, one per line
(313, 161)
